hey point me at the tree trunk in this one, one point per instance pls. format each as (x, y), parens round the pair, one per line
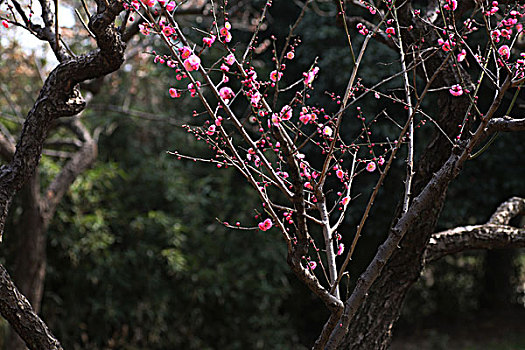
(373, 324)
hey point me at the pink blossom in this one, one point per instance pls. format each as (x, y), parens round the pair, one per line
(290, 55)
(504, 52)
(192, 63)
(226, 93)
(255, 98)
(149, 3)
(283, 174)
(340, 173)
(185, 52)
(456, 90)
(327, 131)
(450, 5)
(225, 32)
(135, 4)
(174, 93)
(265, 225)
(308, 185)
(230, 59)
(370, 167)
(193, 90)
(462, 55)
(275, 76)
(362, 29)
(381, 161)
(309, 77)
(312, 265)
(506, 33)
(171, 6)
(340, 249)
(143, 28)
(495, 34)
(211, 130)
(390, 30)
(446, 45)
(275, 119)
(345, 200)
(286, 112)
(209, 40)
(167, 30)
(305, 118)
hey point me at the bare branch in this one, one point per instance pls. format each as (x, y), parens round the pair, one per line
(496, 233)
(505, 124)
(18, 312)
(486, 236)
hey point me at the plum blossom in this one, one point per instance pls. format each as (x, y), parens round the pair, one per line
(381, 161)
(390, 30)
(290, 55)
(450, 5)
(504, 52)
(209, 40)
(149, 3)
(286, 112)
(265, 225)
(345, 200)
(456, 90)
(339, 173)
(185, 52)
(446, 45)
(340, 249)
(225, 32)
(143, 28)
(171, 6)
(327, 131)
(275, 76)
(211, 129)
(312, 265)
(226, 93)
(370, 167)
(362, 29)
(309, 77)
(495, 34)
(230, 59)
(255, 98)
(168, 31)
(275, 119)
(192, 63)
(174, 93)
(305, 118)
(193, 90)
(462, 55)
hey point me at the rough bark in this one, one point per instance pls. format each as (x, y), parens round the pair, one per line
(15, 308)
(372, 326)
(495, 234)
(37, 212)
(59, 97)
